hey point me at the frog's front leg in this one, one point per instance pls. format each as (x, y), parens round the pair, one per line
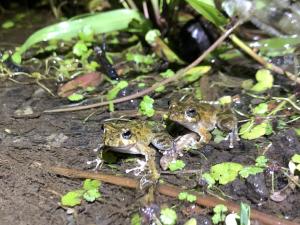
(228, 122)
(205, 136)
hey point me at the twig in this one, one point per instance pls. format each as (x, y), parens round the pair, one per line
(168, 190)
(177, 76)
(262, 61)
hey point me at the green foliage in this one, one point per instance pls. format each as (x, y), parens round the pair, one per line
(176, 165)
(75, 97)
(244, 214)
(250, 170)
(209, 11)
(225, 100)
(297, 130)
(113, 20)
(195, 73)
(261, 109)
(161, 88)
(191, 221)
(209, 179)
(168, 216)
(250, 131)
(146, 106)
(151, 36)
(72, 198)
(225, 172)
(8, 24)
(139, 58)
(218, 135)
(136, 219)
(16, 58)
(261, 161)
(168, 73)
(296, 158)
(80, 48)
(219, 213)
(184, 196)
(89, 192)
(264, 81)
(112, 94)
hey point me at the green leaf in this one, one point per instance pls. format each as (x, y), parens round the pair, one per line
(191, 221)
(218, 135)
(91, 195)
(146, 106)
(89, 184)
(16, 58)
(191, 198)
(151, 36)
(168, 216)
(112, 94)
(250, 170)
(103, 22)
(195, 73)
(297, 130)
(87, 34)
(72, 198)
(264, 81)
(8, 24)
(296, 158)
(261, 161)
(136, 219)
(255, 131)
(219, 213)
(176, 165)
(209, 179)
(225, 172)
(225, 100)
(139, 58)
(161, 88)
(75, 97)
(168, 73)
(182, 196)
(209, 11)
(80, 48)
(245, 214)
(261, 109)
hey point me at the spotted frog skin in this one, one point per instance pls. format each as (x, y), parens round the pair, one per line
(201, 118)
(135, 137)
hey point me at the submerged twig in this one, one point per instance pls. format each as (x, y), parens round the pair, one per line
(168, 190)
(146, 91)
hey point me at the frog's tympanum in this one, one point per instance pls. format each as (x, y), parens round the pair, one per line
(135, 137)
(201, 118)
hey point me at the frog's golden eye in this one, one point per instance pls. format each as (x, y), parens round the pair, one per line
(126, 134)
(191, 112)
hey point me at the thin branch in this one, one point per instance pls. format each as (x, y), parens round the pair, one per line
(177, 76)
(168, 190)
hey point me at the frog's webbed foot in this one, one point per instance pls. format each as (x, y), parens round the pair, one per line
(139, 169)
(232, 136)
(98, 161)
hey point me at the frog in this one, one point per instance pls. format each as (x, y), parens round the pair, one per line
(143, 138)
(202, 117)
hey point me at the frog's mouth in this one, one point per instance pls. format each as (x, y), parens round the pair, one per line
(128, 149)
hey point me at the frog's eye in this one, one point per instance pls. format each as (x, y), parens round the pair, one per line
(126, 134)
(191, 112)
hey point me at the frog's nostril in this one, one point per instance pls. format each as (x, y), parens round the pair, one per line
(191, 112)
(126, 134)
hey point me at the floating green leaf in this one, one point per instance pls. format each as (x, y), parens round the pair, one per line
(225, 172)
(261, 109)
(72, 198)
(146, 106)
(168, 216)
(264, 81)
(261, 161)
(195, 73)
(89, 184)
(176, 165)
(98, 22)
(219, 213)
(75, 97)
(250, 170)
(296, 158)
(209, 11)
(186, 196)
(91, 195)
(251, 132)
(112, 94)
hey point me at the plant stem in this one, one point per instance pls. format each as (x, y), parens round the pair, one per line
(177, 76)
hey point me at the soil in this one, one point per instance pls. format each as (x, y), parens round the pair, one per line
(30, 143)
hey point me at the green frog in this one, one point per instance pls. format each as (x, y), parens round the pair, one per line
(135, 137)
(203, 117)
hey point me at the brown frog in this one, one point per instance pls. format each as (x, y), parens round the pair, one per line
(202, 117)
(135, 137)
